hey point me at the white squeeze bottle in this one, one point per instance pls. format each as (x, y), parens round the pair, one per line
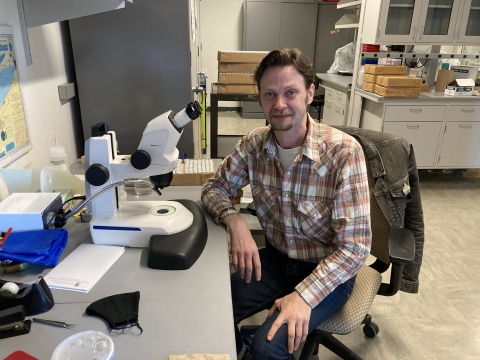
(58, 156)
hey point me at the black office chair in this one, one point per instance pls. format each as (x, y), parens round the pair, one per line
(318, 103)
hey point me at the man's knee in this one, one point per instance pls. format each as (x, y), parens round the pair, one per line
(277, 348)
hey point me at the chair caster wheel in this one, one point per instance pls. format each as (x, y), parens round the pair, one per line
(371, 330)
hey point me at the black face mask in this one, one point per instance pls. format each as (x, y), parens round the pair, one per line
(119, 311)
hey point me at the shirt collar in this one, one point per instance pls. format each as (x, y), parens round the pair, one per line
(312, 148)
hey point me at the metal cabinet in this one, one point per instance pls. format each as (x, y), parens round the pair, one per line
(410, 21)
(468, 23)
(269, 25)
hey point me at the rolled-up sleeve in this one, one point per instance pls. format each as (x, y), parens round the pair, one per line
(231, 176)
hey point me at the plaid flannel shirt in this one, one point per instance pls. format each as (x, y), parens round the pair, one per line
(318, 211)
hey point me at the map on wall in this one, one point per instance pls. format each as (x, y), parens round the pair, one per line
(14, 136)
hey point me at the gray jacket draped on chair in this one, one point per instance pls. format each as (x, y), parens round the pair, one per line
(393, 166)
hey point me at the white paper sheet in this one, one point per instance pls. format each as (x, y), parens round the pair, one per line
(80, 270)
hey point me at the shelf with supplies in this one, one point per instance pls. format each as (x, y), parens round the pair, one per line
(400, 55)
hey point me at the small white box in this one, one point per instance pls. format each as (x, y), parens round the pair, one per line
(28, 211)
(460, 87)
(464, 72)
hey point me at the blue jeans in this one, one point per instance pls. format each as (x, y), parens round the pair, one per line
(280, 275)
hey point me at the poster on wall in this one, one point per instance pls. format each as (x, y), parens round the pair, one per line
(14, 135)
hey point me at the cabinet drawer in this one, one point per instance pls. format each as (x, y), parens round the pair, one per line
(416, 133)
(463, 113)
(335, 95)
(414, 113)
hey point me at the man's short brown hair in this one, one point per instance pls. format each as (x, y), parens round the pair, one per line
(286, 57)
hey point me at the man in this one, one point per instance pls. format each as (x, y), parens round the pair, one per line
(310, 189)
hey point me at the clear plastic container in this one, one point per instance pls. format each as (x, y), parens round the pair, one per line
(58, 156)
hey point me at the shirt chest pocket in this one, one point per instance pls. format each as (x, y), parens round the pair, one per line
(399, 195)
(314, 218)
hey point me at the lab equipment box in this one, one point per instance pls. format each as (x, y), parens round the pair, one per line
(29, 211)
(398, 80)
(241, 56)
(233, 78)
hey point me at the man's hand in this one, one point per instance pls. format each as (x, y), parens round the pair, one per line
(245, 256)
(294, 312)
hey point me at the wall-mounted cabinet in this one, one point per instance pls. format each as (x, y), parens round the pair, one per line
(421, 21)
(468, 23)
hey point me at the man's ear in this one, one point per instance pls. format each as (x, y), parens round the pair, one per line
(310, 93)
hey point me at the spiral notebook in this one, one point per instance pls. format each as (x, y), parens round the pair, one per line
(82, 269)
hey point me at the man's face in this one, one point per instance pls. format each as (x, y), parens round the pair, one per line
(284, 98)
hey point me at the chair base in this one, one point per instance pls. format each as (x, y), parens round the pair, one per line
(326, 339)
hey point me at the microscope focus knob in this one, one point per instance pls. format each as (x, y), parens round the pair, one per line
(140, 159)
(97, 174)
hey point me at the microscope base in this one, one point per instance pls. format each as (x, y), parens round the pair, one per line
(136, 222)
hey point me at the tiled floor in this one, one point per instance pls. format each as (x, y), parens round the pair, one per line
(442, 321)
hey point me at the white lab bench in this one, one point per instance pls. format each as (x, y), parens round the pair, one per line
(444, 130)
(181, 312)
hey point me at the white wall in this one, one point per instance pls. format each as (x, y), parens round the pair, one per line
(45, 113)
(221, 28)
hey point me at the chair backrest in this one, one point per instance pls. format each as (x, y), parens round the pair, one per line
(379, 223)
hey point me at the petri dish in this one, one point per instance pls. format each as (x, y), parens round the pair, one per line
(90, 344)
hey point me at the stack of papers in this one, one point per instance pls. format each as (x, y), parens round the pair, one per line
(80, 270)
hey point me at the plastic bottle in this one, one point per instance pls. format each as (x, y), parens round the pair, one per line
(58, 156)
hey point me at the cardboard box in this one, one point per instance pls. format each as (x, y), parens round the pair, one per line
(368, 86)
(247, 68)
(460, 87)
(397, 91)
(425, 88)
(241, 56)
(190, 179)
(398, 80)
(385, 70)
(232, 78)
(464, 72)
(237, 89)
(370, 78)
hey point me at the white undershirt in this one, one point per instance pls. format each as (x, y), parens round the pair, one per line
(287, 156)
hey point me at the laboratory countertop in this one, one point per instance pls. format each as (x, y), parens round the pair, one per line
(425, 97)
(336, 81)
(181, 312)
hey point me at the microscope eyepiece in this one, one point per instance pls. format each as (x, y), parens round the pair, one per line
(193, 110)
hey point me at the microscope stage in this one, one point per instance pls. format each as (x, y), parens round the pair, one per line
(136, 221)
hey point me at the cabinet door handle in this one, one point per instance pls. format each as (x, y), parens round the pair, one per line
(468, 110)
(413, 126)
(465, 126)
(414, 31)
(416, 110)
(420, 31)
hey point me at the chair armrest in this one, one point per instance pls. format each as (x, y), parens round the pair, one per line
(401, 246)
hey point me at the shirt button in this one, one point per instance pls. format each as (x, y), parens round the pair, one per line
(291, 241)
(288, 172)
(286, 195)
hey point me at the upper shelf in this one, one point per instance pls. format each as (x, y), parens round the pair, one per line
(347, 4)
(34, 13)
(347, 21)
